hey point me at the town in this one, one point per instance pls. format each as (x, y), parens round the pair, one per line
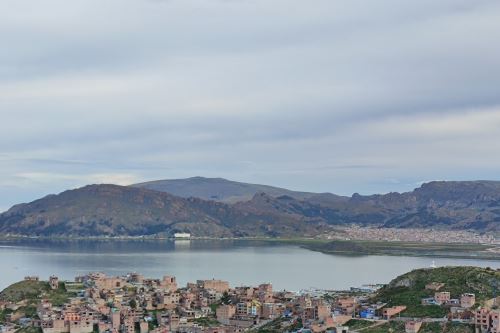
(414, 235)
(135, 304)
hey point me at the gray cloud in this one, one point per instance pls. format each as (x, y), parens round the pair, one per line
(342, 96)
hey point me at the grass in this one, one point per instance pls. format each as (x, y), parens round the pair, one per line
(206, 321)
(275, 326)
(399, 327)
(355, 324)
(34, 291)
(393, 326)
(29, 330)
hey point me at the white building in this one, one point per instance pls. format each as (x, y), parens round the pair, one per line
(181, 235)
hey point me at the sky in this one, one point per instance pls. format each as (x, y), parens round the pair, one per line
(324, 95)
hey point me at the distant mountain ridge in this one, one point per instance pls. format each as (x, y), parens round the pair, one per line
(220, 189)
(244, 210)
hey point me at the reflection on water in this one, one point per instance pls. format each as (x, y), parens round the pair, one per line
(182, 244)
(240, 262)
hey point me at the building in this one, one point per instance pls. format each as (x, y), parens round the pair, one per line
(368, 313)
(182, 235)
(31, 278)
(143, 327)
(388, 313)
(224, 313)
(346, 305)
(322, 312)
(54, 282)
(271, 310)
(467, 300)
(488, 320)
(442, 297)
(169, 283)
(413, 326)
(109, 283)
(136, 278)
(217, 285)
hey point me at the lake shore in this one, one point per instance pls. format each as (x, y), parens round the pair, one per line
(326, 246)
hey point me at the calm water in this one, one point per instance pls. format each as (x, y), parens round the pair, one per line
(240, 262)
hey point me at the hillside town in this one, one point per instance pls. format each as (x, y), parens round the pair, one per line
(136, 304)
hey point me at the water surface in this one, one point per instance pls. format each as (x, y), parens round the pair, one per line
(240, 262)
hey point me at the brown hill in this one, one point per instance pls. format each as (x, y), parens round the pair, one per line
(99, 210)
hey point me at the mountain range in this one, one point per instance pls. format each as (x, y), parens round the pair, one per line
(216, 207)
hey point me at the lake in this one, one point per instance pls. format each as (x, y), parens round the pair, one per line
(240, 262)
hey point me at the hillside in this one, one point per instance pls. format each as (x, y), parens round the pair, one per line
(97, 210)
(408, 289)
(111, 210)
(33, 291)
(223, 190)
(455, 205)
(100, 210)
(442, 204)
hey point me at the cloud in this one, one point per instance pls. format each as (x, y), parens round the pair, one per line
(342, 96)
(83, 179)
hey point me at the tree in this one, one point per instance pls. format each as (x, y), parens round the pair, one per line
(225, 299)
(133, 304)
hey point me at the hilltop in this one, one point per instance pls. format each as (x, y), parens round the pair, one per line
(223, 190)
(33, 291)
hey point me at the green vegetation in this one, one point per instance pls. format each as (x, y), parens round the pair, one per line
(409, 289)
(28, 290)
(72, 286)
(393, 326)
(29, 330)
(279, 325)
(355, 247)
(206, 321)
(3, 315)
(225, 299)
(214, 307)
(271, 327)
(398, 327)
(34, 291)
(355, 324)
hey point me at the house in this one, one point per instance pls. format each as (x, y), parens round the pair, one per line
(488, 320)
(367, 313)
(224, 313)
(467, 300)
(217, 285)
(346, 305)
(392, 311)
(442, 297)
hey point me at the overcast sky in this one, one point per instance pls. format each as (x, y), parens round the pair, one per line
(322, 95)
